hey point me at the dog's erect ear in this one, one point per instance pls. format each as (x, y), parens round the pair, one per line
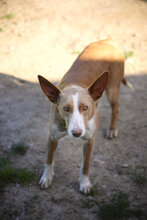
(97, 88)
(51, 91)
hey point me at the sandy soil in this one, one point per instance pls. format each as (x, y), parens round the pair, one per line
(45, 37)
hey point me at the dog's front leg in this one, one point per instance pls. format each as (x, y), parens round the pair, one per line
(85, 185)
(47, 177)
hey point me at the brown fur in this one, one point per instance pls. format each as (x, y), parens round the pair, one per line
(89, 73)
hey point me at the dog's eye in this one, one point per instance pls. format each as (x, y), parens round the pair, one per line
(84, 108)
(66, 108)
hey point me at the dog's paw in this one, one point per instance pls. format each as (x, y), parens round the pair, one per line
(47, 177)
(112, 133)
(45, 182)
(85, 185)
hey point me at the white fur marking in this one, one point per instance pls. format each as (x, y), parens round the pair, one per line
(47, 177)
(91, 126)
(85, 185)
(130, 86)
(56, 133)
(76, 121)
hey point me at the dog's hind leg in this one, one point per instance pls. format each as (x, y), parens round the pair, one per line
(112, 91)
(113, 95)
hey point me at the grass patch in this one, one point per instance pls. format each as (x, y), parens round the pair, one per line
(1, 29)
(93, 191)
(119, 171)
(116, 209)
(26, 202)
(8, 174)
(128, 54)
(140, 175)
(35, 197)
(19, 149)
(4, 162)
(75, 52)
(9, 16)
(140, 179)
(88, 203)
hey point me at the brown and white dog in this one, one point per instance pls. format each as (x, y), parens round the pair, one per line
(74, 111)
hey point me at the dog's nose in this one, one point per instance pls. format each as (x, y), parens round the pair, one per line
(77, 133)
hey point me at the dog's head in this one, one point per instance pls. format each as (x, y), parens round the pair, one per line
(76, 104)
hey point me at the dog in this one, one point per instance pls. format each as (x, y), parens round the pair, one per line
(74, 111)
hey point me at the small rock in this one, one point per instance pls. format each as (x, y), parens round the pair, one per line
(104, 186)
(78, 165)
(125, 165)
(2, 86)
(115, 175)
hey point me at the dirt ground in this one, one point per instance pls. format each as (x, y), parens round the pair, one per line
(44, 37)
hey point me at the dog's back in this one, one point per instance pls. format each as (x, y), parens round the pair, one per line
(97, 58)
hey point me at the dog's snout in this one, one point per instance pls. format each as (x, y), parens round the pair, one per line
(77, 133)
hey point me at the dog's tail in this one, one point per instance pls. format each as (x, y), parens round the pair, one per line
(129, 85)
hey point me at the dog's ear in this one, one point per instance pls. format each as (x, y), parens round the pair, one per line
(51, 91)
(97, 88)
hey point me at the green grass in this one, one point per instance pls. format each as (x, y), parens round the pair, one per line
(140, 175)
(116, 209)
(35, 197)
(87, 203)
(93, 191)
(1, 29)
(25, 202)
(140, 179)
(75, 52)
(119, 171)
(128, 54)
(9, 16)
(8, 174)
(19, 149)
(4, 162)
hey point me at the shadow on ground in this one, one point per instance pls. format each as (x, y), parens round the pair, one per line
(115, 166)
